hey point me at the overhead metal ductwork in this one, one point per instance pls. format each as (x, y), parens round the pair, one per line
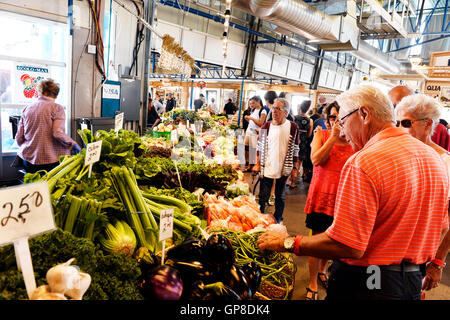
(331, 32)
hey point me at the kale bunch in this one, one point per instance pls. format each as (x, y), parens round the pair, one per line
(114, 276)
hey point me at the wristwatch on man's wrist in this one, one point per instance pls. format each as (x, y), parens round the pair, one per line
(289, 244)
(440, 264)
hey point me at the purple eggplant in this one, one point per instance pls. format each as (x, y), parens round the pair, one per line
(236, 279)
(253, 272)
(190, 249)
(219, 253)
(162, 283)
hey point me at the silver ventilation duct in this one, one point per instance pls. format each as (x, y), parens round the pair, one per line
(331, 32)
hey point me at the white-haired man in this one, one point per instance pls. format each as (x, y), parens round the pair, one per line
(277, 153)
(390, 207)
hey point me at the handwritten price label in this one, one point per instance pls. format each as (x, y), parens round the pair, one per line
(166, 224)
(25, 211)
(93, 151)
(118, 123)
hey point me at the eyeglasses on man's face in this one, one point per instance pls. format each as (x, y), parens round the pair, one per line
(347, 115)
(407, 123)
(277, 109)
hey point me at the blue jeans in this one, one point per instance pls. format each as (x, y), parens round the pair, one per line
(348, 282)
(264, 194)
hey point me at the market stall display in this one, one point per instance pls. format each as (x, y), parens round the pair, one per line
(108, 219)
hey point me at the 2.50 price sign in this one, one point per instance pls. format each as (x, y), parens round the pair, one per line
(25, 211)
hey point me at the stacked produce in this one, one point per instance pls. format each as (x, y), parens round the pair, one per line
(239, 214)
(277, 269)
(109, 222)
(202, 270)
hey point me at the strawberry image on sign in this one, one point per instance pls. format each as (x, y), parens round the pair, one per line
(30, 84)
(29, 91)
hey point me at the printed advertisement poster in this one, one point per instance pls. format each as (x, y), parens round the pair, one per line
(26, 77)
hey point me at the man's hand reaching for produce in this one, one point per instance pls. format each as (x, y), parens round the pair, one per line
(273, 238)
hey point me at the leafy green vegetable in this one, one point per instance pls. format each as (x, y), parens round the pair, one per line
(114, 277)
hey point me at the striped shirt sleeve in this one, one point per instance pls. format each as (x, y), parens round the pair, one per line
(355, 210)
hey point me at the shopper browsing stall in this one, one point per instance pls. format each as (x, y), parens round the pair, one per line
(171, 102)
(255, 120)
(152, 116)
(419, 114)
(278, 150)
(390, 209)
(305, 125)
(329, 152)
(41, 136)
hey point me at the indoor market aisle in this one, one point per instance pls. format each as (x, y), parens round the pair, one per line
(294, 219)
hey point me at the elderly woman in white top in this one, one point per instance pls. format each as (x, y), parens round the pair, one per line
(419, 114)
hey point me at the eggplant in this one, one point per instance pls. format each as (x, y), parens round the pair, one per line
(236, 279)
(253, 272)
(219, 253)
(190, 249)
(192, 271)
(216, 291)
(162, 283)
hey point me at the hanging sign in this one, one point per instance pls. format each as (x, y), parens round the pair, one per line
(25, 80)
(25, 211)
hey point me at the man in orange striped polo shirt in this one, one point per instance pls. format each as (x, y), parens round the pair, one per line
(390, 211)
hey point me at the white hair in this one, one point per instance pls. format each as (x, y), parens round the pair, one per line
(370, 97)
(285, 102)
(421, 106)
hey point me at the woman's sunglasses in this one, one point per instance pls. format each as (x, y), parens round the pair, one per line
(332, 117)
(407, 123)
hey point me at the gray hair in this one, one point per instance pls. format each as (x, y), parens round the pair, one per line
(421, 106)
(285, 102)
(370, 97)
(48, 87)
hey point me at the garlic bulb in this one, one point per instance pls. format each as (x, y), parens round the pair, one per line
(63, 277)
(43, 293)
(81, 286)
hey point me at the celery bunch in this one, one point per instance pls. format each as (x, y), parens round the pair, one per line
(119, 238)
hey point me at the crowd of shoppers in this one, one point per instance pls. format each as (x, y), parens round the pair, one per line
(389, 213)
(379, 191)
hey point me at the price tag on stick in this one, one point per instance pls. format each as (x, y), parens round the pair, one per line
(93, 152)
(25, 211)
(118, 123)
(165, 229)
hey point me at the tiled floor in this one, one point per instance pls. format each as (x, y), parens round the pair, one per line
(294, 219)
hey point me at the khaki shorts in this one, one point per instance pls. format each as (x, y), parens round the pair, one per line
(250, 140)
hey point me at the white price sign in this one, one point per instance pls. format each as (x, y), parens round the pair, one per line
(118, 122)
(166, 224)
(93, 152)
(25, 212)
(165, 229)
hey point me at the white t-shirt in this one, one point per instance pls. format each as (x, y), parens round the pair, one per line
(158, 107)
(255, 114)
(278, 141)
(446, 158)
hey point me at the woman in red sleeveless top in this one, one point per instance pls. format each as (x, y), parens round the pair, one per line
(329, 152)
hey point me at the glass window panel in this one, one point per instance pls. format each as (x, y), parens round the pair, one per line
(32, 38)
(8, 143)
